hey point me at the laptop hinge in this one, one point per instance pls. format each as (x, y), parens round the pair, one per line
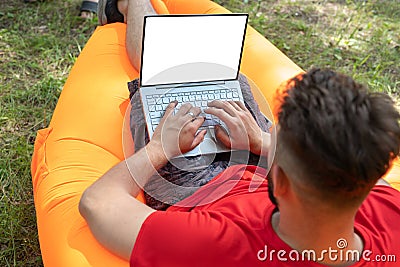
(165, 86)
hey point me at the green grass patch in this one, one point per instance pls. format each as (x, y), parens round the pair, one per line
(40, 42)
(38, 45)
(359, 38)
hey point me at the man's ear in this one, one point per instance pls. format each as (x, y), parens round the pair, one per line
(280, 181)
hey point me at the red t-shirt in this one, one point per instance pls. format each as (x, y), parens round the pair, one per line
(235, 229)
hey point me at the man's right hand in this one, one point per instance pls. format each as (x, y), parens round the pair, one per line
(244, 132)
(178, 133)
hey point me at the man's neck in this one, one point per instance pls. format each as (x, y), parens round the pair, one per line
(318, 233)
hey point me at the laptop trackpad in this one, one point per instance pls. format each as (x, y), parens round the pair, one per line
(208, 145)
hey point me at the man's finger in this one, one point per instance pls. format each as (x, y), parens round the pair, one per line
(197, 122)
(222, 136)
(235, 105)
(184, 109)
(193, 113)
(241, 105)
(221, 114)
(169, 110)
(224, 105)
(198, 138)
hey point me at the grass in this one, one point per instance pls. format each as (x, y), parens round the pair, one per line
(39, 43)
(359, 38)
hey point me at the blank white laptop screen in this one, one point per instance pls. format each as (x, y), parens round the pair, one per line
(191, 48)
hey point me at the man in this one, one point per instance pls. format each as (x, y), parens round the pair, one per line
(327, 204)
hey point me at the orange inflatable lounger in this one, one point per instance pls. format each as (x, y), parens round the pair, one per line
(84, 138)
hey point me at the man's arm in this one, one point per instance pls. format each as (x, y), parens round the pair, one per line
(109, 206)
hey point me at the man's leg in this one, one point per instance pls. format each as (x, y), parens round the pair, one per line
(134, 12)
(88, 8)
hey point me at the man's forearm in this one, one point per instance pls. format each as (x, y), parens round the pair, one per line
(145, 164)
(109, 205)
(131, 174)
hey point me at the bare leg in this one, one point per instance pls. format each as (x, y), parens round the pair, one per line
(87, 14)
(135, 12)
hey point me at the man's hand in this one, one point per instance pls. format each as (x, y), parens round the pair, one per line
(177, 133)
(244, 132)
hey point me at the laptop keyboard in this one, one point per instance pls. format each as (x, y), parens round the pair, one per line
(158, 103)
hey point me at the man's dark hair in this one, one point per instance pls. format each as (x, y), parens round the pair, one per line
(341, 137)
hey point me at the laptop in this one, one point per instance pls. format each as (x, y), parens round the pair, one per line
(191, 58)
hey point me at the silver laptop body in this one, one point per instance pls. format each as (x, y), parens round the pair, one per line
(191, 58)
